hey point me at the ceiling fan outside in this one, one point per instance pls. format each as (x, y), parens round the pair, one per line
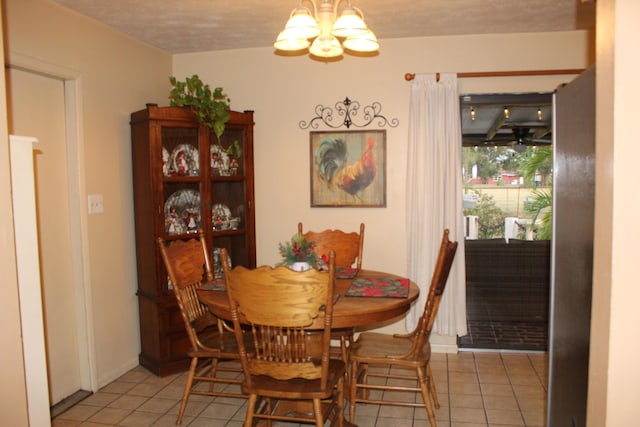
(522, 137)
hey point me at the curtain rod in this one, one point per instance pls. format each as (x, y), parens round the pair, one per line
(411, 76)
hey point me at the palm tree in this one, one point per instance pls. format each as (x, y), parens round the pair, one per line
(540, 160)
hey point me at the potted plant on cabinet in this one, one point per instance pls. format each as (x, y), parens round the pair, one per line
(210, 106)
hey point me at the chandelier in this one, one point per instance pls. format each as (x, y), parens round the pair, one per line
(324, 33)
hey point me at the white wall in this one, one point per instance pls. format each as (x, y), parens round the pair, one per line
(285, 90)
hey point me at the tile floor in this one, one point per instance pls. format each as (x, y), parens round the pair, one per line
(475, 388)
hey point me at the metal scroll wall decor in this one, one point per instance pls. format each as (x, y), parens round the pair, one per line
(350, 110)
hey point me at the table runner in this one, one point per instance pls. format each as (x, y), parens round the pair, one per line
(379, 287)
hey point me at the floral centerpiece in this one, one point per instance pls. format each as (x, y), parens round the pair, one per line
(298, 250)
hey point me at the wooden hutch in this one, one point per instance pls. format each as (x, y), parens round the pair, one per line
(184, 179)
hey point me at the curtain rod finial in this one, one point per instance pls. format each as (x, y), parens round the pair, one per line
(410, 76)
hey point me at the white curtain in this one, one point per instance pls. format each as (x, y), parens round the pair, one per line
(434, 196)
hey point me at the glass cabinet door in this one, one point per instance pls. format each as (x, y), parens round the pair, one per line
(228, 194)
(181, 171)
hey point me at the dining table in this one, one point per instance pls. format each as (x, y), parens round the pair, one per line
(373, 306)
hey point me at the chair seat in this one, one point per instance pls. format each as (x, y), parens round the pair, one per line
(372, 345)
(297, 388)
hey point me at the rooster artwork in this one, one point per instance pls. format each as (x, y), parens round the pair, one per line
(348, 173)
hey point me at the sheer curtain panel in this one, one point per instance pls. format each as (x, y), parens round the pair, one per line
(434, 195)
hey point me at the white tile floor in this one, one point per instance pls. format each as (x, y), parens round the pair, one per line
(476, 389)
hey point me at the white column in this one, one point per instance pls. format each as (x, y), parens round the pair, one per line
(28, 263)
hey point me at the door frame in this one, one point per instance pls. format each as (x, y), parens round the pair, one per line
(72, 81)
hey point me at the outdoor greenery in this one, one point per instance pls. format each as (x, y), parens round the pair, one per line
(540, 161)
(489, 161)
(540, 207)
(534, 164)
(490, 216)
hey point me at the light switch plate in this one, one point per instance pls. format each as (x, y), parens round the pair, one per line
(96, 205)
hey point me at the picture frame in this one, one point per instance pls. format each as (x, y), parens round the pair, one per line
(348, 168)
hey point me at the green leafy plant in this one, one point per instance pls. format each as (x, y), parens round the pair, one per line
(540, 207)
(540, 161)
(234, 149)
(298, 249)
(210, 106)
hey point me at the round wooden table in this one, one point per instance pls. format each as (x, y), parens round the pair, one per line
(348, 312)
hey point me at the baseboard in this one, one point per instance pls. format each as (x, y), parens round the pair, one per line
(113, 375)
(444, 348)
(443, 344)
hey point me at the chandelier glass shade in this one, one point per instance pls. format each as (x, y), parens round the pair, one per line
(325, 33)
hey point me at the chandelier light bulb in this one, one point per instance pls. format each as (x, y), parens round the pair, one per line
(326, 46)
(349, 24)
(287, 42)
(366, 42)
(301, 24)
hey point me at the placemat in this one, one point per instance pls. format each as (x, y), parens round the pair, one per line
(378, 287)
(346, 273)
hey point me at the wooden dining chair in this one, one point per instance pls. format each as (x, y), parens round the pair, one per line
(188, 264)
(347, 245)
(409, 351)
(348, 248)
(290, 362)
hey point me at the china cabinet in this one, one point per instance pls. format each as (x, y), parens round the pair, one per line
(185, 178)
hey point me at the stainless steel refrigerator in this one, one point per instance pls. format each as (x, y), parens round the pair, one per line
(571, 251)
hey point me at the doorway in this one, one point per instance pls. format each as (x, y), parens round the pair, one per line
(507, 168)
(42, 104)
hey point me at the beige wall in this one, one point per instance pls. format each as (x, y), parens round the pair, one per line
(115, 75)
(614, 373)
(13, 404)
(285, 90)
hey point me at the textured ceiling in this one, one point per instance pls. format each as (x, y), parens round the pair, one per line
(180, 26)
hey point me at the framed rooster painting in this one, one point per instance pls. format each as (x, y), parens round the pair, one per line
(348, 168)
